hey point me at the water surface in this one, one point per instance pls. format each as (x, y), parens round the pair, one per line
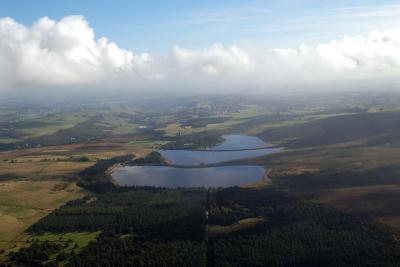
(192, 158)
(171, 177)
(237, 141)
(234, 147)
(219, 152)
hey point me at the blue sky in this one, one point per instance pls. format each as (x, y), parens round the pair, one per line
(157, 26)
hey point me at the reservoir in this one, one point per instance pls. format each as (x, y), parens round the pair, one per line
(190, 174)
(171, 177)
(233, 148)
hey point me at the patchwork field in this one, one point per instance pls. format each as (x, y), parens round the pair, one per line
(65, 161)
(34, 182)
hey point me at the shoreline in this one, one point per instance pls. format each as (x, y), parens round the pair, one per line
(263, 182)
(227, 150)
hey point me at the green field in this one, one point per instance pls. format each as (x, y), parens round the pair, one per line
(149, 143)
(76, 240)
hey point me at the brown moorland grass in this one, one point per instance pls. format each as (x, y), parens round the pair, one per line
(391, 220)
(374, 193)
(354, 176)
(38, 170)
(100, 149)
(379, 202)
(344, 157)
(343, 197)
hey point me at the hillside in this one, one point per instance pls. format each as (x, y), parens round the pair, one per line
(376, 128)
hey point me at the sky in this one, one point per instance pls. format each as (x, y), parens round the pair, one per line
(196, 44)
(157, 26)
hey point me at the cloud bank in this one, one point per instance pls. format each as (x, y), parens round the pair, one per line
(66, 52)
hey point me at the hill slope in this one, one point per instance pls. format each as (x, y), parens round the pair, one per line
(378, 128)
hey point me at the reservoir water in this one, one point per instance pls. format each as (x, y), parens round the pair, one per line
(234, 147)
(163, 176)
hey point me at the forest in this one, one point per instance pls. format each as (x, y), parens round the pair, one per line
(199, 140)
(153, 158)
(297, 233)
(96, 178)
(148, 226)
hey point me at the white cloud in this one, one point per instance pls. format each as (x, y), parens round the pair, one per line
(214, 60)
(378, 51)
(61, 52)
(66, 52)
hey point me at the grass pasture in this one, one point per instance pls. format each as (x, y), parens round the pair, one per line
(7, 140)
(80, 239)
(52, 124)
(69, 243)
(243, 115)
(22, 203)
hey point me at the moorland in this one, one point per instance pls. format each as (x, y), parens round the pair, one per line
(333, 187)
